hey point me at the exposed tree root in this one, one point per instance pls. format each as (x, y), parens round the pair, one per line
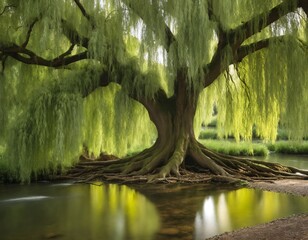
(188, 161)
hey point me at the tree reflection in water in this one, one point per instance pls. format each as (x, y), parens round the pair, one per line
(227, 211)
(77, 212)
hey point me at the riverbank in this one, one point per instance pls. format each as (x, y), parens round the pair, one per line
(293, 227)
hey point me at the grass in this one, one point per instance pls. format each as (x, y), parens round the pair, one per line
(289, 147)
(209, 137)
(208, 133)
(255, 149)
(236, 149)
(251, 149)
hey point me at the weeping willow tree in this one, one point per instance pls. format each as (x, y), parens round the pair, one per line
(109, 76)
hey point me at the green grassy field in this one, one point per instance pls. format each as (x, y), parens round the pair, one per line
(236, 149)
(289, 147)
(209, 138)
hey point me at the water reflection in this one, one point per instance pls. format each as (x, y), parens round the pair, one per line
(227, 211)
(298, 161)
(115, 212)
(21, 199)
(76, 212)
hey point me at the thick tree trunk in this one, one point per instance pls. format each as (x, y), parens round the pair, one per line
(176, 142)
(177, 149)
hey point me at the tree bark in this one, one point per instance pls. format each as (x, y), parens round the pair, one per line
(176, 150)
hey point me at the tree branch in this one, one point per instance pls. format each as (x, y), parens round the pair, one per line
(28, 57)
(261, 21)
(73, 36)
(29, 32)
(246, 50)
(22, 54)
(169, 38)
(68, 52)
(233, 39)
(85, 14)
(7, 8)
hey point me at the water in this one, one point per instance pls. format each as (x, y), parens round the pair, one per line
(298, 161)
(79, 211)
(228, 211)
(203, 211)
(171, 211)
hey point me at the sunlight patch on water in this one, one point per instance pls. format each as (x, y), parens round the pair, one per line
(22, 199)
(227, 211)
(76, 211)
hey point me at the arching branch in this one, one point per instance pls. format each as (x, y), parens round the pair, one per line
(261, 21)
(246, 50)
(232, 39)
(29, 57)
(24, 55)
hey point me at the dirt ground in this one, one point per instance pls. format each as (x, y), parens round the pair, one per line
(294, 227)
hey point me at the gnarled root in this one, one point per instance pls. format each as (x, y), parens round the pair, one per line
(136, 168)
(185, 161)
(242, 168)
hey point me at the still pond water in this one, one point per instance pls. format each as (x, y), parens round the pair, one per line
(115, 212)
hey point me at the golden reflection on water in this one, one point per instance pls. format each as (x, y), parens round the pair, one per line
(228, 211)
(130, 214)
(79, 212)
(117, 212)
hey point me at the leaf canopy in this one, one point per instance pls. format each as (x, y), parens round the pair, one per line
(249, 59)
